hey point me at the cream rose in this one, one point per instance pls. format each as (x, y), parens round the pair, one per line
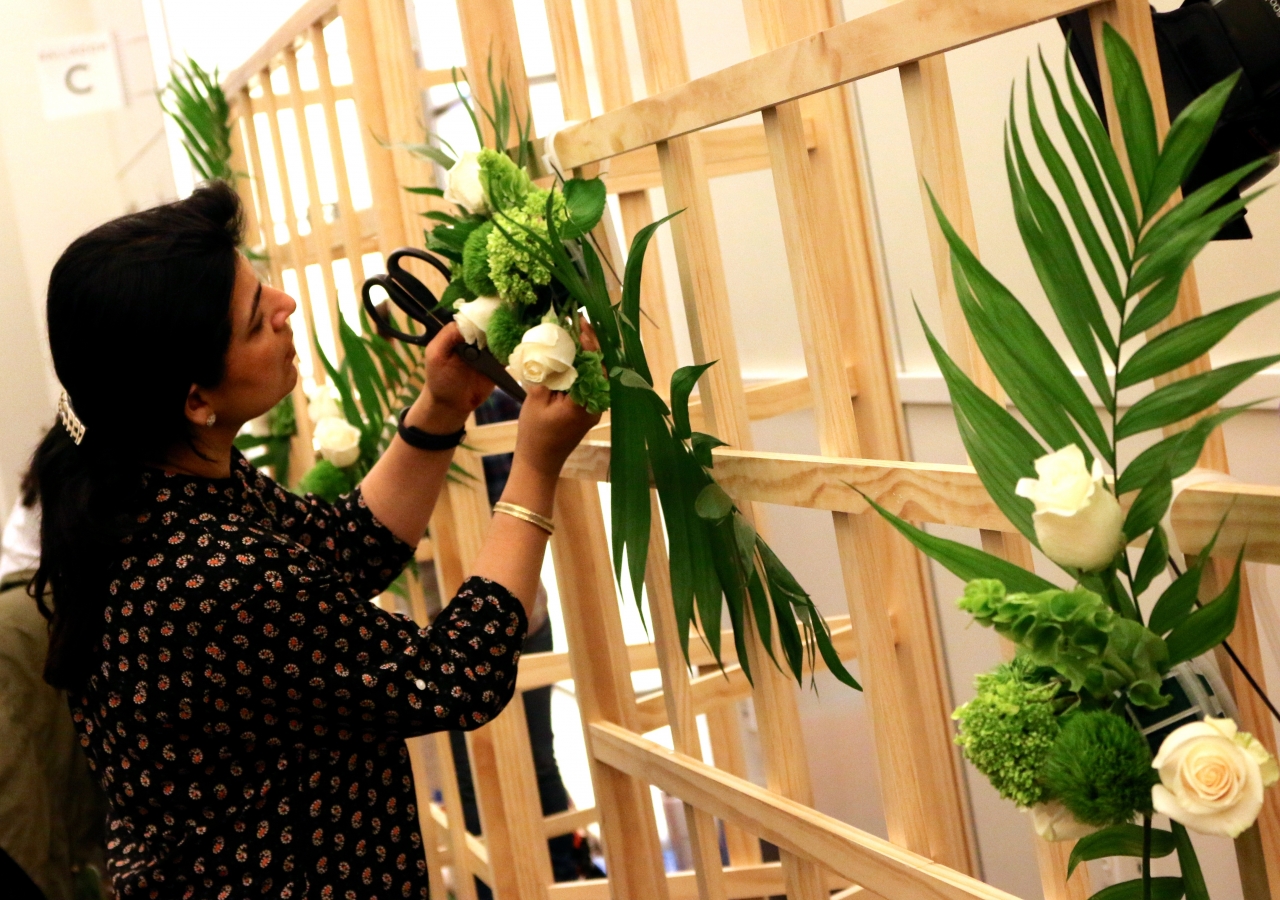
(545, 356)
(473, 319)
(465, 187)
(1212, 776)
(1054, 822)
(338, 440)
(324, 404)
(1078, 521)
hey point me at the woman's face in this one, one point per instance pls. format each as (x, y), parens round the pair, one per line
(259, 365)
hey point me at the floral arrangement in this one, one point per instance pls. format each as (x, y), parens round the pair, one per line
(524, 266)
(1074, 728)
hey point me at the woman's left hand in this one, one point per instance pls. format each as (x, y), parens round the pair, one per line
(453, 388)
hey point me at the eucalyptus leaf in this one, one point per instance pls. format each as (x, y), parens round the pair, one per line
(1119, 840)
(1182, 399)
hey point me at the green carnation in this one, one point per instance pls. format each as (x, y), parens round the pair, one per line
(1008, 729)
(515, 270)
(505, 332)
(505, 184)
(326, 481)
(1100, 768)
(475, 262)
(590, 389)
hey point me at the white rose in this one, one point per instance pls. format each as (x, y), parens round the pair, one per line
(1054, 822)
(338, 441)
(324, 404)
(545, 356)
(1078, 521)
(473, 319)
(464, 187)
(1212, 776)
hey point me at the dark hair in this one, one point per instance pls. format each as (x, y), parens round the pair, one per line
(138, 311)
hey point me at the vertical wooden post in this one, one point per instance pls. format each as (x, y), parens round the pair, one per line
(939, 161)
(1258, 850)
(490, 37)
(602, 678)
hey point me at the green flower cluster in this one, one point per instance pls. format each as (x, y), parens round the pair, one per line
(514, 270)
(475, 262)
(1100, 768)
(1077, 635)
(505, 332)
(505, 184)
(1008, 729)
(591, 389)
(326, 481)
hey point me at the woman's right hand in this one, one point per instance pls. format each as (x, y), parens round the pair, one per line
(551, 426)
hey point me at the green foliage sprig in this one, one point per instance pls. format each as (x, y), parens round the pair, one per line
(195, 101)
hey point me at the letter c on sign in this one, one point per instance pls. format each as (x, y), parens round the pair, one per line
(69, 79)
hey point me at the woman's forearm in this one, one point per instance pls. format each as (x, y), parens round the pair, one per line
(513, 549)
(402, 487)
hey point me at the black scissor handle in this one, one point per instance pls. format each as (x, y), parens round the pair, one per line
(406, 302)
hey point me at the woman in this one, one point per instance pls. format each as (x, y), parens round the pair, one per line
(241, 701)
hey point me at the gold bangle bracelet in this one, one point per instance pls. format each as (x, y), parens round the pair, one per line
(525, 515)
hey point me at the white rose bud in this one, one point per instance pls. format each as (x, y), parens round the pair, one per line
(338, 441)
(1078, 521)
(324, 404)
(545, 356)
(464, 187)
(1054, 822)
(473, 319)
(1212, 776)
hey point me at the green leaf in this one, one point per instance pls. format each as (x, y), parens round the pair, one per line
(1179, 451)
(584, 202)
(1192, 877)
(703, 444)
(1118, 840)
(343, 386)
(632, 379)
(1155, 557)
(682, 383)
(1176, 602)
(1066, 184)
(1102, 148)
(1177, 401)
(364, 372)
(1133, 107)
(629, 480)
(1191, 208)
(962, 560)
(632, 278)
(433, 153)
(1000, 448)
(1150, 506)
(1187, 342)
(1162, 888)
(1208, 626)
(679, 518)
(429, 191)
(1185, 142)
(713, 503)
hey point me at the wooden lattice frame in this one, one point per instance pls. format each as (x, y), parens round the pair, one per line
(804, 56)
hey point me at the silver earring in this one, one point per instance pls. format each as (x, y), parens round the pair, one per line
(213, 417)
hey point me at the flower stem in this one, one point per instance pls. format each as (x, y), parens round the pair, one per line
(1146, 856)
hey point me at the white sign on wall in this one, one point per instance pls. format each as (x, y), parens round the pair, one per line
(79, 74)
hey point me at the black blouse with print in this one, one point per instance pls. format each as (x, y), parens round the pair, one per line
(249, 715)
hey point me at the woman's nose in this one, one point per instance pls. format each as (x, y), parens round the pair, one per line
(283, 311)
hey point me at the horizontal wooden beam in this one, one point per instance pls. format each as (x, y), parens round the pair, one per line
(287, 35)
(761, 880)
(309, 98)
(569, 822)
(900, 33)
(727, 151)
(952, 495)
(865, 859)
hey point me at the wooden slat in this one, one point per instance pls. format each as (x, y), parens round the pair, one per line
(899, 33)
(477, 853)
(727, 151)
(312, 96)
(283, 37)
(741, 882)
(872, 862)
(569, 822)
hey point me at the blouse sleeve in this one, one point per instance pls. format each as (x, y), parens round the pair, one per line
(346, 533)
(304, 653)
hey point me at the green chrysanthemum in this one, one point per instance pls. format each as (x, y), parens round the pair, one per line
(1008, 729)
(475, 262)
(1100, 768)
(326, 481)
(591, 388)
(504, 332)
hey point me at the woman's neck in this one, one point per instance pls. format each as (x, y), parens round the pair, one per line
(209, 456)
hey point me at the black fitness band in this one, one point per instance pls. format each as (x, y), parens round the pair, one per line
(423, 440)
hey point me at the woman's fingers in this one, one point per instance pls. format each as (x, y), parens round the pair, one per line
(589, 339)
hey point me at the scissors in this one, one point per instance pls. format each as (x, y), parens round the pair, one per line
(418, 303)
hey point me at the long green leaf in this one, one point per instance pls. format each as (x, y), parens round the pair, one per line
(1162, 888)
(1133, 105)
(1185, 343)
(1192, 877)
(629, 484)
(1185, 142)
(1191, 208)
(1155, 557)
(683, 380)
(1150, 506)
(1118, 840)
(1106, 154)
(962, 560)
(1175, 254)
(1208, 626)
(1176, 602)
(677, 511)
(363, 372)
(1182, 399)
(1101, 259)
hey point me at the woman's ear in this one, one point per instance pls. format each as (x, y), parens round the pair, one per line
(197, 408)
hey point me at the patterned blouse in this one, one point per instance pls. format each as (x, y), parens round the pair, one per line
(249, 716)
